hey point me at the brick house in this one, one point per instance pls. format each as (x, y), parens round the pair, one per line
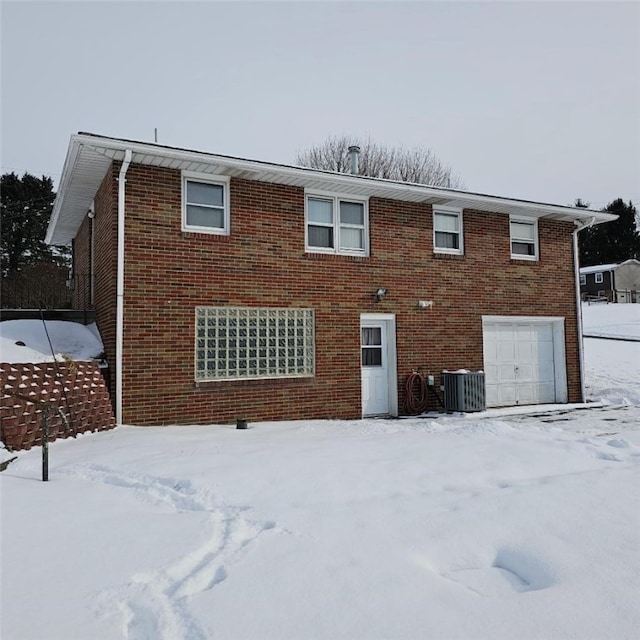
(226, 287)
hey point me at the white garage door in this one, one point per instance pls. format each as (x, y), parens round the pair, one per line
(520, 360)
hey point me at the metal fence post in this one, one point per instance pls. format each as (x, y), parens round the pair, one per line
(45, 442)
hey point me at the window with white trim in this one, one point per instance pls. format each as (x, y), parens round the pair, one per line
(236, 343)
(447, 230)
(583, 279)
(524, 238)
(336, 224)
(205, 203)
(599, 278)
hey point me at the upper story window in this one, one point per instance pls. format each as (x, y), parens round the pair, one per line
(583, 279)
(447, 230)
(205, 203)
(336, 224)
(599, 278)
(524, 238)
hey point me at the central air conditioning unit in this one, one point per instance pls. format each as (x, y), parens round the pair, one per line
(463, 391)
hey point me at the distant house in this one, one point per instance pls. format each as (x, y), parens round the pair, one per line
(617, 282)
(228, 288)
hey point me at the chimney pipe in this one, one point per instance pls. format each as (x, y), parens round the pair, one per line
(354, 152)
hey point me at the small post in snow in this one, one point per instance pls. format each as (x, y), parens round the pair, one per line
(45, 442)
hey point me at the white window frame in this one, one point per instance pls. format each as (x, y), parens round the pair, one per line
(336, 198)
(599, 277)
(244, 343)
(583, 279)
(206, 178)
(450, 211)
(512, 239)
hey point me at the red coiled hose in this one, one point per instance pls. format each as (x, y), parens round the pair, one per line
(415, 393)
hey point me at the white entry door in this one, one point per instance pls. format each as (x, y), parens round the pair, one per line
(377, 349)
(522, 364)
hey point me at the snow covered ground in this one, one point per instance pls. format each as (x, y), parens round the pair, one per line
(495, 526)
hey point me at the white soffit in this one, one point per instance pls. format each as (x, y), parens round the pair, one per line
(89, 158)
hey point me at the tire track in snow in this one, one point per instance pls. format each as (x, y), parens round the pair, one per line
(154, 605)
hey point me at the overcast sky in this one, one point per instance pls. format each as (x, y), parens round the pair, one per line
(532, 100)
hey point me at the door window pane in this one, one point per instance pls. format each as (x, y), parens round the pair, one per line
(371, 336)
(371, 347)
(371, 357)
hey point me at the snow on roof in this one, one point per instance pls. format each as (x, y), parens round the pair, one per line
(26, 341)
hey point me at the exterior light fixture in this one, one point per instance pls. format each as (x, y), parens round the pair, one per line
(380, 293)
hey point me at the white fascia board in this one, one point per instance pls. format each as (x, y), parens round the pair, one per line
(67, 172)
(597, 268)
(334, 181)
(538, 209)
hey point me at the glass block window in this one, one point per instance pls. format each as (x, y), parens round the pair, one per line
(336, 225)
(234, 343)
(524, 239)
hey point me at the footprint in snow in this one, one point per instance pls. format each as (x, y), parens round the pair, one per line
(511, 571)
(154, 604)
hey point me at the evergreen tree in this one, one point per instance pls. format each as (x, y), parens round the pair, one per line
(26, 205)
(611, 242)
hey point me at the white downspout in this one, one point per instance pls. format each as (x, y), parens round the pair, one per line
(120, 285)
(576, 267)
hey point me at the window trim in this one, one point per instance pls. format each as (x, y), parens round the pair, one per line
(257, 313)
(583, 279)
(449, 211)
(599, 277)
(207, 178)
(536, 247)
(336, 198)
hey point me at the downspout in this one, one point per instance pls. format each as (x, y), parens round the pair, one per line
(120, 284)
(92, 245)
(576, 268)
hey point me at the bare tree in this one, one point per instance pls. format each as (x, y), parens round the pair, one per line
(418, 165)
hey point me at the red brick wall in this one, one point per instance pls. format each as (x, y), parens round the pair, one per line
(263, 263)
(77, 388)
(105, 265)
(82, 266)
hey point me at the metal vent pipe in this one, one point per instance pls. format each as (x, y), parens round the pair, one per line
(354, 152)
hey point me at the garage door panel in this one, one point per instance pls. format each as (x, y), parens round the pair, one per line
(506, 394)
(545, 351)
(506, 351)
(547, 392)
(545, 332)
(526, 372)
(506, 373)
(520, 362)
(527, 393)
(523, 351)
